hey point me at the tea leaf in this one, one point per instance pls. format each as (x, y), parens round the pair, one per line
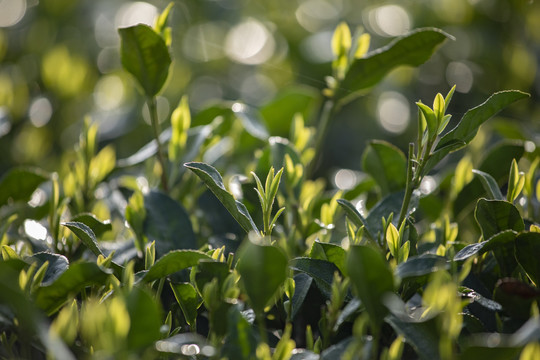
(18, 184)
(78, 276)
(490, 185)
(213, 180)
(422, 336)
(189, 301)
(57, 265)
(167, 223)
(354, 215)
(242, 340)
(371, 279)
(174, 261)
(469, 124)
(145, 318)
(421, 265)
(321, 271)
(90, 220)
(329, 252)
(411, 49)
(527, 250)
(145, 55)
(86, 235)
(302, 283)
(263, 269)
(494, 216)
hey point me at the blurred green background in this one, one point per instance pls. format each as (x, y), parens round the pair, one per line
(59, 61)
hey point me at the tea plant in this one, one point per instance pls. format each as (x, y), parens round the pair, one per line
(194, 262)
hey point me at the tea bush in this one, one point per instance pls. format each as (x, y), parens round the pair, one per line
(219, 240)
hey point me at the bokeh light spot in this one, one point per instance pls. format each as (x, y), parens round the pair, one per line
(133, 13)
(35, 230)
(203, 42)
(345, 179)
(314, 15)
(249, 43)
(393, 112)
(461, 75)
(316, 48)
(40, 111)
(257, 89)
(389, 20)
(109, 92)
(11, 12)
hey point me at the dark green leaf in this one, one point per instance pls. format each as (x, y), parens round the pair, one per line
(474, 249)
(30, 321)
(241, 340)
(145, 55)
(86, 235)
(213, 180)
(490, 185)
(386, 164)
(371, 279)
(57, 265)
(174, 261)
(18, 184)
(207, 270)
(476, 297)
(527, 254)
(78, 276)
(337, 351)
(421, 265)
(389, 204)
(468, 126)
(354, 215)
(495, 216)
(168, 223)
(423, 336)
(411, 49)
(98, 227)
(302, 283)
(321, 271)
(145, 318)
(329, 252)
(188, 299)
(516, 297)
(349, 310)
(263, 269)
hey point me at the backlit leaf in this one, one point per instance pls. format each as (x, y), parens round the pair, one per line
(174, 261)
(145, 55)
(263, 269)
(469, 124)
(411, 49)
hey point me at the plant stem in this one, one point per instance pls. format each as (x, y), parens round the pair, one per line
(409, 187)
(324, 120)
(152, 107)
